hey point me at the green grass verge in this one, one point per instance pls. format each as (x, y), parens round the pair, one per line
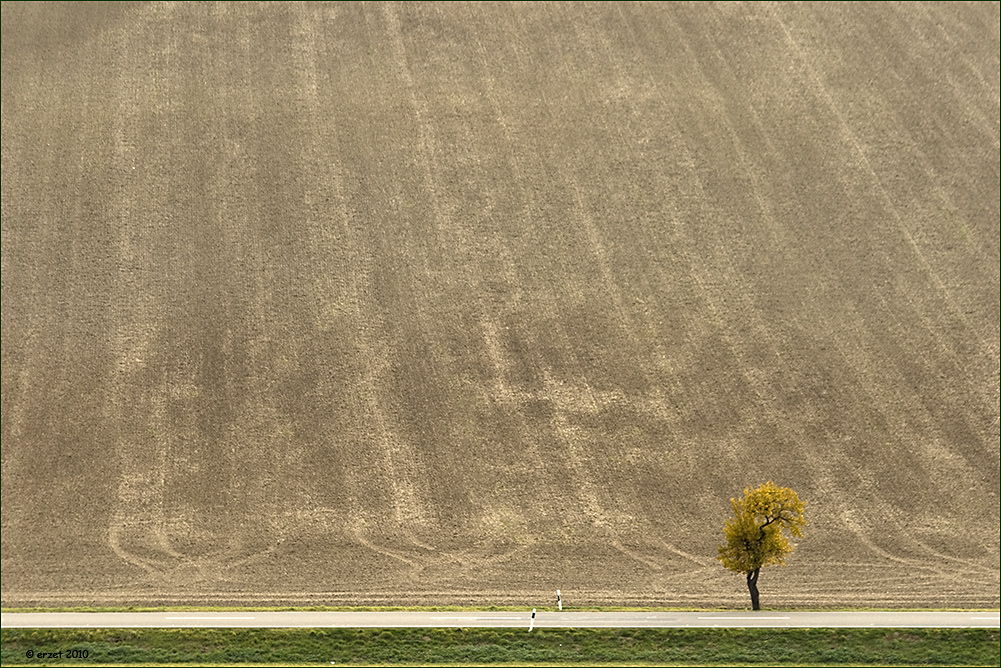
(403, 646)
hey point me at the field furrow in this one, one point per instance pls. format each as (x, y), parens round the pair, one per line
(460, 303)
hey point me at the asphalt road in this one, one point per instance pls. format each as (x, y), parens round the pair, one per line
(545, 619)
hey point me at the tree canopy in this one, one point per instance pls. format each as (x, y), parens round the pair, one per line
(754, 535)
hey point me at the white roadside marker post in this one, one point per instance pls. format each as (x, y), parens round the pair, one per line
(559, 600)
(532, 623)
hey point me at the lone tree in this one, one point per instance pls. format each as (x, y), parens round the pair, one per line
(754, 535)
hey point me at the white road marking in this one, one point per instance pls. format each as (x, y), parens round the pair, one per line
(208, 617)
(744, 618)
(993, 619)
(474, 618)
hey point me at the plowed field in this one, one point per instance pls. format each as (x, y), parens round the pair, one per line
(461, 303)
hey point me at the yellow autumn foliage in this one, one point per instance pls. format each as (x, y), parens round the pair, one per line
(754, 535)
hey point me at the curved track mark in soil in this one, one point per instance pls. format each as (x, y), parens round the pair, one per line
(877, 397)
(401, 466)
(911, 563)
(937, 19)
(332, 232)
(766, 394)
(703, 562)
(140, 449)
(895, 125)
(852, 139)
(726, 295)
(584, 234)
(359, 536)
(463, 242)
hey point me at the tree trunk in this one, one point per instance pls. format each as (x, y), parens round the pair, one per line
(752, 585)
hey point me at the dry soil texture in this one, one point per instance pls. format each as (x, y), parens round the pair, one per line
(461, 303)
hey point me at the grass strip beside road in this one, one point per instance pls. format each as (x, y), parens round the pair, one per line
(410, 646)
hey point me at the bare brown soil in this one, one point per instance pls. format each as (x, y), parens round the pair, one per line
(449, 303)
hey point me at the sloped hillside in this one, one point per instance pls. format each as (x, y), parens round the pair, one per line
(461, 303)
